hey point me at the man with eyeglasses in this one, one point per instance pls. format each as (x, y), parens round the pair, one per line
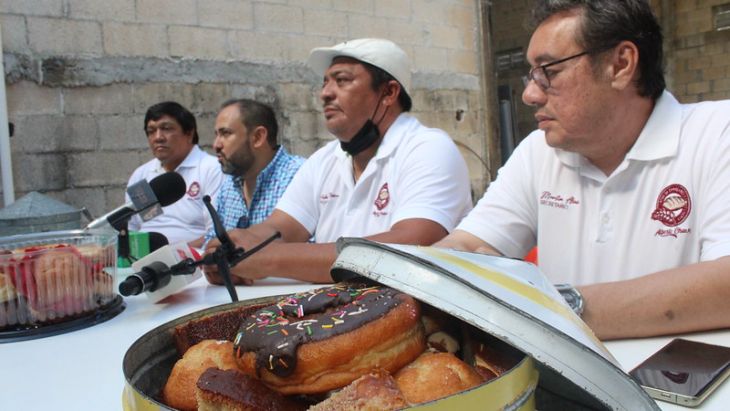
(624, 190)
(172, 135)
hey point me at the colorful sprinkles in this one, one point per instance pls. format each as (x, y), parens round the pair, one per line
(274, 332)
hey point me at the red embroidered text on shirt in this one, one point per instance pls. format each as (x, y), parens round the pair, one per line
(323, 198)
(557, 201)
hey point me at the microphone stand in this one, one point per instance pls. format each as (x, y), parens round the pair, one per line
(225, 255)
(123, 242)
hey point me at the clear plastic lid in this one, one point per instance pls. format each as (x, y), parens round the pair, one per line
(53, 277)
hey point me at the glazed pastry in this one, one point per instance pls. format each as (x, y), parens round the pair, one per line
(324, 339)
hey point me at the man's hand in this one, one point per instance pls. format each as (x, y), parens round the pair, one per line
(464, 241)
(211, 274)
(242, 273)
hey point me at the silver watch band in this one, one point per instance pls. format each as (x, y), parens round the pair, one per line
(572, 296)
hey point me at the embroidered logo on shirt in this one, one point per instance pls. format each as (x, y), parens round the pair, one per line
(383, 197)
(557, 201)
(672, 206)
(194, 189)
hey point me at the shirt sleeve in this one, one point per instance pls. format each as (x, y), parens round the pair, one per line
(222, 207)
(506, 216)
(210, 230)
(433, 182)
(213, 179)
(715, 196)
(300, 198)
(135, 222)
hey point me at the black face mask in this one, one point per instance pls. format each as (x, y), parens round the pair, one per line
(364, 138)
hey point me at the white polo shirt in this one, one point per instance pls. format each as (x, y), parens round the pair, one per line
(665, 206)
(186, 219)
(417, 173)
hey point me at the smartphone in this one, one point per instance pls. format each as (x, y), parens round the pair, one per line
(684, 372)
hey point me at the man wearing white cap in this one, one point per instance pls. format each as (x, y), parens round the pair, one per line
(387, 177)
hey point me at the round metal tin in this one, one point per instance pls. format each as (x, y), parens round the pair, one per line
(148, 362)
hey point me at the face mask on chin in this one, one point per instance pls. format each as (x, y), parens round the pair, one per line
(364, 138)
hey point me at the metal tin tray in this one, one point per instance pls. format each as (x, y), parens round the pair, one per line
(513, 301)
(148, 362)
(509, 299)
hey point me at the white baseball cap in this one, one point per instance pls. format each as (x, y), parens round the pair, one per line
(381, 53)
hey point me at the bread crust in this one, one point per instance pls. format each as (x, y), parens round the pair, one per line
(179, 390)
(376, 391)
(435, 375)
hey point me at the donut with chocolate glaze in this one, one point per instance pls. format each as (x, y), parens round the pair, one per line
(324, 339)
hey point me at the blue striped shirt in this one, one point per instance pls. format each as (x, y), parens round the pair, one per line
(271, 183)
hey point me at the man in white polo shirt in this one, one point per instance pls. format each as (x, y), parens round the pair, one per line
(173, 138)
(624, 191)
(387, 176)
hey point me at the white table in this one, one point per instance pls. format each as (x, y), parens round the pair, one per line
(631, 353)
(82, 370)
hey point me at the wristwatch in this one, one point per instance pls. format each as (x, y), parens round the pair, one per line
(572, 296)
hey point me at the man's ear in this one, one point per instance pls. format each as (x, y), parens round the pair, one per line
(259, 137)
(189, 136)
(391, 90)
(624, 65)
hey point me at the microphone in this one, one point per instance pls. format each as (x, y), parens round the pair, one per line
(164, 189)
(130, 247)
(158, 273)
(157, 240)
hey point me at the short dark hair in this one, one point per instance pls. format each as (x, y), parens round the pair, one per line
(183, 116)
(255, 114)
(381, 77)
(605, 23)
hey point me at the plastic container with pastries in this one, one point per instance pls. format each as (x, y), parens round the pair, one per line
(559, 363)
(56, 282)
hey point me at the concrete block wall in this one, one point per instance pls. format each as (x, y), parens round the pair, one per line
(80, 75)
(700, 57)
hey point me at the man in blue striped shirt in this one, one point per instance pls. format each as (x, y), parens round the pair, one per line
(258, 169)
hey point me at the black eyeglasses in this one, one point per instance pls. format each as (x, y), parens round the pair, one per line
(540, 74)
